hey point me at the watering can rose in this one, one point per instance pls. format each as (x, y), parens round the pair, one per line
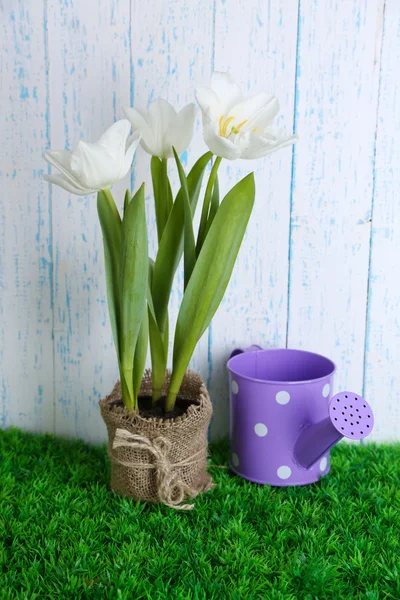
(235, 127)
(92, 167)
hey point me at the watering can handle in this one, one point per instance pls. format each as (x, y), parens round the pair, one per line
(253, 348)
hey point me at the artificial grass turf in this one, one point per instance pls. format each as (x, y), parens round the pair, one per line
(63, 534)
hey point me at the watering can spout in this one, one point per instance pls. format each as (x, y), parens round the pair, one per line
(349, 416)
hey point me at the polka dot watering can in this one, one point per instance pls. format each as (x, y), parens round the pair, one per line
(283, 417)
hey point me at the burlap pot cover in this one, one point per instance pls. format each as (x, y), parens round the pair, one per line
(157, 460)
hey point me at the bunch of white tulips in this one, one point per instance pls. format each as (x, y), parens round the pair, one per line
(139, 288)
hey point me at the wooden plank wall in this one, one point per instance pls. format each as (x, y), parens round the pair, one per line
(319, 265)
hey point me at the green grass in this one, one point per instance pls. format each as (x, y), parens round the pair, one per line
(64, 535)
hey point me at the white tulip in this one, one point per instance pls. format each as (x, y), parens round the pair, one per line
(235, 127)
(162, 128)
(92, 167)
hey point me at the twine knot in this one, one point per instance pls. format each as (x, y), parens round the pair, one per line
(171, 489)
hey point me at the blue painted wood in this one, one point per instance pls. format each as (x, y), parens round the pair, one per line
(382, 349)
(332, 179)
(26, 348)
(89, 45)
(310, 262)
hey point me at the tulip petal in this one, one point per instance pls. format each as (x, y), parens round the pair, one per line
(132, 144)
(160, 116)
(209, 103)
(259, 111)
(256, 146)
(181, 131)
(137, 119)
(61, 159)
(62, 181)
(265, 116)
(234, 126)
(220, 146)
(139, 123)
(114, 140)
(228, 92)
(95, 167)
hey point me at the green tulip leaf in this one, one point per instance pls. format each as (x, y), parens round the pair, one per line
(139, 362)
(189, 244)
(205, 211)
(110, 222)
(158, 343)
(127, 199)
(171, 245)
(132, 284)
(210, 277)
(162, 192)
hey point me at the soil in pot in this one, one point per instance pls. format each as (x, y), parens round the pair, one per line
(148, 410)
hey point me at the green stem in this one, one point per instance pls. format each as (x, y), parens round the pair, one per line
(165, 207)
(127, 199)
(156, 394)
(162, 200)
(158, 361)
(168, 192)
(170, 401)
(111, 200)
(178, 373)
(213, 207)
(206, 204)
(127, 389)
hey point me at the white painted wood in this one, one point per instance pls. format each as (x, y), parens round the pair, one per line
(26, 349)
(257, 43)
(336, 102)
(89, 49)
(67, 68)
(382, 366)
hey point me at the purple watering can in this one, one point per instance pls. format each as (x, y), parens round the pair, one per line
(283, 417)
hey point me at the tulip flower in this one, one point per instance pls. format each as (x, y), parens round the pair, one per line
(92, 167)
(235, 127)
(162, 128)
(138, 288)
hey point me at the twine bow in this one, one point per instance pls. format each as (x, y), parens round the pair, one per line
(170, 488)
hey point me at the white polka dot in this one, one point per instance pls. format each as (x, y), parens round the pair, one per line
(284, 472)
(235, 460)
(261, 429)
(234, 386)
(323, 463)
(282, 397)
(326, 390)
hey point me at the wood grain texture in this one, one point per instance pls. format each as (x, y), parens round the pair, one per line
(26, 348)
(319, 264)
(257, 45)
(89, 53)
(382, 356)
(336, 100)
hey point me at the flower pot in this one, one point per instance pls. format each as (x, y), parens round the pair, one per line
(160, 459)
(283, 417)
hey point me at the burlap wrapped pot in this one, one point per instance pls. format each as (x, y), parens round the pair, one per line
(160, 460)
